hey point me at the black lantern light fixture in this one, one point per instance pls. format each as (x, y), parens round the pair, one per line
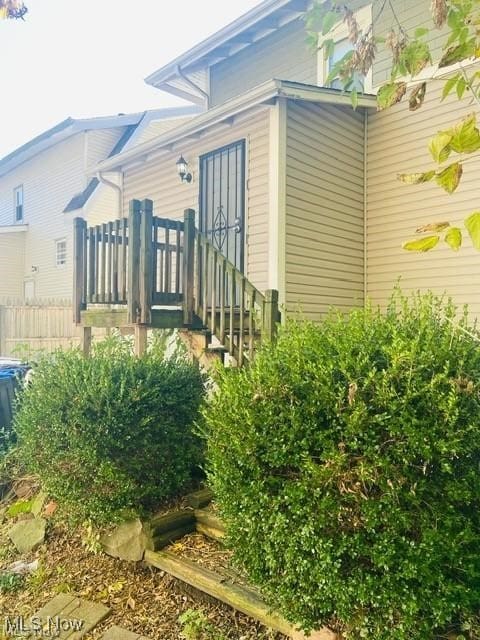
(182, 169)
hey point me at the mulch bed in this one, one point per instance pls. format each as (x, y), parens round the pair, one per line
(141, 599)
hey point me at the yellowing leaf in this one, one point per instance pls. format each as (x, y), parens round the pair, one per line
(21, 506)
(416, 178)
(433, 226)
(439, 146)
(116, 587)
(466, 136)
(453, 238)
(417, 96)
(449, 178)
(389, 94)
(473, 227)
(457, 53)
(423, 244)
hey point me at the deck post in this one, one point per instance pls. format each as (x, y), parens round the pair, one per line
(270, 314)
(141, 339)
(134, 244)
(188, 266)
(86, 341)
(146, 262)
(79, 295)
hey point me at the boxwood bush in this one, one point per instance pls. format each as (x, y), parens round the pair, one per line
(111, 434)
(345, 462)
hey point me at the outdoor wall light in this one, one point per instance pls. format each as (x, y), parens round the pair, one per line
(182, 169)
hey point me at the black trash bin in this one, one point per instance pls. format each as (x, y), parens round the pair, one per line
(11, 374)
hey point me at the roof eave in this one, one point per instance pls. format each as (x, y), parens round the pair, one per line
(261, 94)
(236, 28)
(13, 228)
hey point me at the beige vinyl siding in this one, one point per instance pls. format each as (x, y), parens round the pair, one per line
(159, 127)
(324, 208)
(49, 181)
(99, 144)
(158, 180)
(398, 143)
(12, 256)
(283, 55)
(411, 14)
(105, 203)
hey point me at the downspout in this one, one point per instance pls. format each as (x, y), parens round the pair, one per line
(198, 89)
(365, 205)
(117, 188)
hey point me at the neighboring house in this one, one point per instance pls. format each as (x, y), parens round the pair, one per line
(295, 187)
(44, 185)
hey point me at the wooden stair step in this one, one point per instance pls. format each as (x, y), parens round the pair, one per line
(209, 524)
(200, 498)
(239, 597)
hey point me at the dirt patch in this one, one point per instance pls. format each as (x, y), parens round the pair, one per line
(141, 599)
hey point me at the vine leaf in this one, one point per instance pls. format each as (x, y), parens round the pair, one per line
(466, 136)
(422, 244)
(449, 178)
(329, 19)
(472, 224)
(391, 93)
(433, 226)
(457, 53)
(453, 238)
(417, 96)
(416, 178)
(450, 85)
(439, 146)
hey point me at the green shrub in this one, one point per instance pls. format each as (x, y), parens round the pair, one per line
(112, 433)
(346, 465)
(196, 626)
(10, 582)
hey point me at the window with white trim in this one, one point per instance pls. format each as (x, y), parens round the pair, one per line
(60, 252)
(18, 203)
(342, 46)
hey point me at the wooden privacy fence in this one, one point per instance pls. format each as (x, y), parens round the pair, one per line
(43, 326)
(148, 264)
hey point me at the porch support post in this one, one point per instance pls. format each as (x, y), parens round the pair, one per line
(79, 294)
(133, 292)
(141, 335)
(188, 266)
(86, 341)
(270, 314)
(146, 262)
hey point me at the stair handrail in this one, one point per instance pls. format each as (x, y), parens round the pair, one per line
(226, 302)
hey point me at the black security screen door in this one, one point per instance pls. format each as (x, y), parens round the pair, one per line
(222, 200)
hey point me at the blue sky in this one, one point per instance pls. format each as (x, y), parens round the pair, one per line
(84, 58)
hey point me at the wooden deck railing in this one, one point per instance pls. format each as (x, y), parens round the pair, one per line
(144, 261)
(229, 305)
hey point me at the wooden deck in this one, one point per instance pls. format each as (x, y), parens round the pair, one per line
(150, 272)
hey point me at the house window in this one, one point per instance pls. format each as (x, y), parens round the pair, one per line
(61, 252)
(18, 203)
(341, 47)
